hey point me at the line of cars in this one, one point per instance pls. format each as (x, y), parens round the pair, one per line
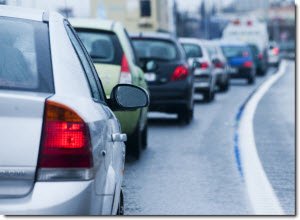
(69, 88)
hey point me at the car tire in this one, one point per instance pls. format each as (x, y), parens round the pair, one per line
(120, 210)
(145, 137)
(251, 80)
(209, 96)
(134, 143)
(186, 115)
(225, 86)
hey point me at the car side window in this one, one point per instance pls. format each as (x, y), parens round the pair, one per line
(89, 69)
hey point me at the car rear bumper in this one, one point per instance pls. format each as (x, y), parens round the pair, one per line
(243, 73)
(203, 82)
(59, 198)
(273, 59)
(169, 97)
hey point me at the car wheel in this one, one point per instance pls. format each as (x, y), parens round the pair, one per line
(225, 87)
(209, 96)
(134, 143)
(251, 80)
(120, 210)
(145, 137)
(186, 114)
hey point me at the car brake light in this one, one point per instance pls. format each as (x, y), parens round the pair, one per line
(248, 64)
(125, 76)
(260, 56)
(237, 22)
(219, 65)
(275, 50)
(204, 65)
(180, 73)
(65, 143)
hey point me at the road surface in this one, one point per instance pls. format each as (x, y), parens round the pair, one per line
(192, 170)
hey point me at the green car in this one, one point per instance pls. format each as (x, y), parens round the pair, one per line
(112, 53)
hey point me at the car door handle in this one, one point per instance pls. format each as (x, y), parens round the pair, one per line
(117, 137)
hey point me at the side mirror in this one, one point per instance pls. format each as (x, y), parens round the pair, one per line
(125, 97)
(151, 66)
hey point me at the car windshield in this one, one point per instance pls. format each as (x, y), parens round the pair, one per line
(25, 62)
(155, 49)
(103, 46)
(235, 51)
(192, 50)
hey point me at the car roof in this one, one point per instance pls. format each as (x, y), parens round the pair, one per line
(228, 42)
(201, 42)
(154, 35)
(100, 24)
(25, 13)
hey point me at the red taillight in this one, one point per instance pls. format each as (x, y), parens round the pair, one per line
(248, 64)
(180, 73)
(204, 65)
(219, 65)
(65, 139)
(125, 75)
(275, 50)
(236, 22)
(260, 56)
(249, 23)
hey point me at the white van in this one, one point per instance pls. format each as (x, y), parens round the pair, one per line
(249, 31)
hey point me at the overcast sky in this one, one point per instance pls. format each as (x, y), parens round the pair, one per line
(193, 5)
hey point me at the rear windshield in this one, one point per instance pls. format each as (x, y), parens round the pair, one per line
(103, 46)
(192, 50)
(235, 51)
(155, 49)
(25, 62)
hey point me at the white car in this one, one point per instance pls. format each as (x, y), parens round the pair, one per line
(62, 151)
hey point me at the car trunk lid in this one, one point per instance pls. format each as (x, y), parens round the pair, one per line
(21, 116)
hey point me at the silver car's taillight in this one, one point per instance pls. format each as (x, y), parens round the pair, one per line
(65, 146)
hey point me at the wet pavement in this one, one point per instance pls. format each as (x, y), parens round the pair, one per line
(192, 169)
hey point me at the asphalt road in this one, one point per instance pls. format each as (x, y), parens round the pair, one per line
(192, 170)
(274, 127)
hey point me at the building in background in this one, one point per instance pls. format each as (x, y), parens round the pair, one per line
(68, 8)
(138, 15)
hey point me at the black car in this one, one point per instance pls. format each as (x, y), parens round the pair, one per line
(170, 79)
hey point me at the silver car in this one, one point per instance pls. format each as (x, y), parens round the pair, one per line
(62, 151)
(220, 65)
(204, 76)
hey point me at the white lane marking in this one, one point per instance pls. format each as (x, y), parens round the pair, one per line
(262, 196)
